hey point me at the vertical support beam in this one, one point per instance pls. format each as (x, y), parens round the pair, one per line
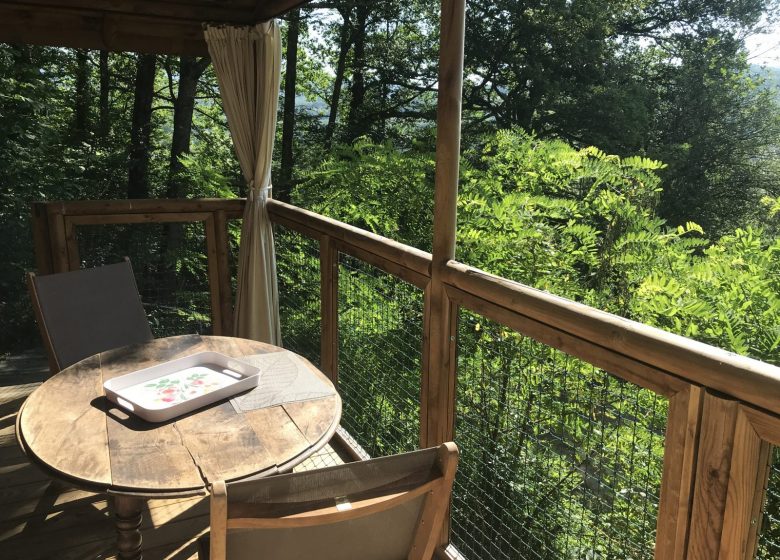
(41, 239)
(329, 308)
(57, 237)
(214, 276)
(74, 261)
(681, 446)
(425, 360)
(716, 445)
(763, 471)
(437, 409)
(748, 474)
(222, 239)
(438, 381)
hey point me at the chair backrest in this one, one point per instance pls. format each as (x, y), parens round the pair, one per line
(389, 508)
(87, 311)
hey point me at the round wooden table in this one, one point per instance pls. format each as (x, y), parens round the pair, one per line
(69, 428)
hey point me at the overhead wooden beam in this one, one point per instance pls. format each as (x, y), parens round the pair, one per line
(99, 30)
(265, 10)
(147, 26)
(233, 11)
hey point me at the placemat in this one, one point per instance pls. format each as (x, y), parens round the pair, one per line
(284, 378)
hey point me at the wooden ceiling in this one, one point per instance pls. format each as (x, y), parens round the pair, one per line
(151, 26)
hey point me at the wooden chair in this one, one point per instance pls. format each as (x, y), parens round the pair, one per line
(387, 508)
(87, 311)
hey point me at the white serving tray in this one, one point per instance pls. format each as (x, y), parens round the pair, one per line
(174, 388)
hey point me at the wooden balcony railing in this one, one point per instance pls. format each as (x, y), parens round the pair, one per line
(723, 414)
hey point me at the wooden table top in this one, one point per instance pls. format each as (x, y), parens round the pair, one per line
(70, 428)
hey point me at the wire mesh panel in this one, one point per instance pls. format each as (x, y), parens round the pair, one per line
(170, 266)
(559, 460)
(298, 274)
(769, 537)
(380, 348)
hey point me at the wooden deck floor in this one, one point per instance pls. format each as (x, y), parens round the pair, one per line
(42, 519)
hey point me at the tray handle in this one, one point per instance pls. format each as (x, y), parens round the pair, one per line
(127, 405)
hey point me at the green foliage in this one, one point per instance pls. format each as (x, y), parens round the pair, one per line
(579, 223)
(720, 137)
(380, 329)
(729, 296)
(558, 458)
(375, 187)
(45, 156)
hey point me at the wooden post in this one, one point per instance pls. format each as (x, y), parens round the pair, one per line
(437, 405)
(329, 308)
(57, 237)
(74, 261)
(763, 471)
(681, 443)
(212, 253)
(438, 380)
(749, 470)
(222, 238)
(41, 239)
(713, 467)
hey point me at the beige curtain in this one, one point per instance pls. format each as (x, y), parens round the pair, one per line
(247, 63)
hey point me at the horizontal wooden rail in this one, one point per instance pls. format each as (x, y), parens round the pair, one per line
(55, 234)
(749, 380)
(233, 207)
(375, 249)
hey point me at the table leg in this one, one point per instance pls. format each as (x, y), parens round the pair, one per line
(128, 525)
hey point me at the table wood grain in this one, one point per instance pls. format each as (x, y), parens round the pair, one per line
(69, 427)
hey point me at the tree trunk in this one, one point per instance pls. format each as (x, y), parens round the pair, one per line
(288, 121)
(355, 124)
(81, 105)
(104, 124)
(140, 133)
(190, 71)
(345, 41)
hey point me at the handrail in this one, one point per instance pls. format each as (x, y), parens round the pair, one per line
(755, 382)
(232, 206)
(314, 225)
(752, 381)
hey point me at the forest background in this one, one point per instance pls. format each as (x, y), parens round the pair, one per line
(620, 153)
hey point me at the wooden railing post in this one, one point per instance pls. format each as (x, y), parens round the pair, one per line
(329, 308)
(41, 239)
(215, 287)
(681, 447)
(731, 478)
(222, 239)
(438, 382)
(716, 443)
(57, 237)
(437, 393)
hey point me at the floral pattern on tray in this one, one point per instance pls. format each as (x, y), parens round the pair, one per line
(178, 387)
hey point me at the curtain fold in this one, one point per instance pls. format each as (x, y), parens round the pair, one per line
(247, 64)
